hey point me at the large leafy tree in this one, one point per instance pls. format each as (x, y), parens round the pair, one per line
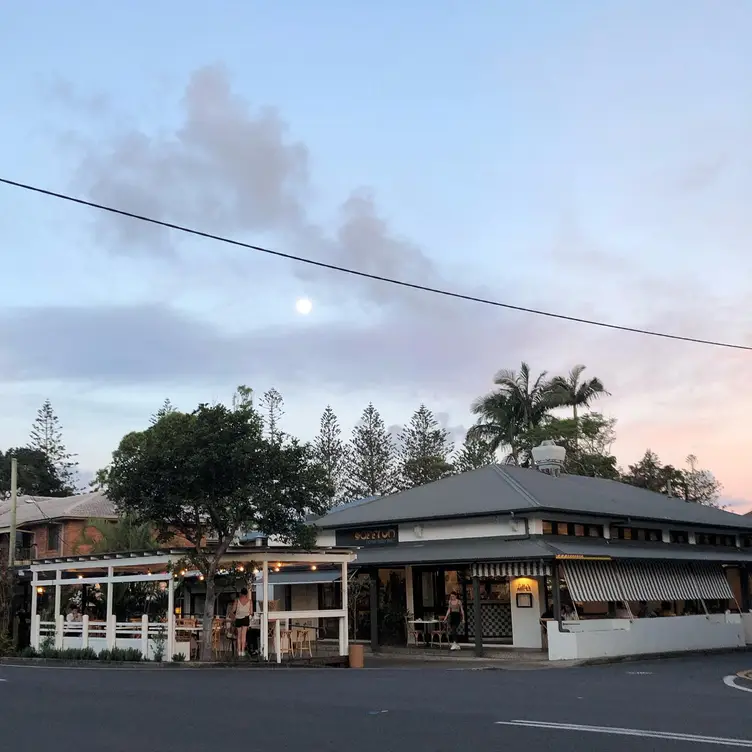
(272, 405)
(371, 466)
(207, 474)
(519, 403)
(332, 453)
(474, 453)
(36, 474)
(651, 474)
(47, 436)
(587, 441)
(424, 450)
(575, 392)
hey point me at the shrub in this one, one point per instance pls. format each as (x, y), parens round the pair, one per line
(121, 655)
(178, 658)
(29, 652)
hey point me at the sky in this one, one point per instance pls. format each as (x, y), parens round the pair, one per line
(588, 158)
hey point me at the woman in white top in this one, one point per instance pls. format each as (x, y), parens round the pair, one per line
(243, 612)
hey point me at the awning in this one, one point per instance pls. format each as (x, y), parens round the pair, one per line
(511, 569)
(303, 578)
(597, 581)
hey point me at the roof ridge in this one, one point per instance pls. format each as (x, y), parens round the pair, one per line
(516, 486)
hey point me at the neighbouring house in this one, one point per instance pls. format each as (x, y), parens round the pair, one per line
(51, 527)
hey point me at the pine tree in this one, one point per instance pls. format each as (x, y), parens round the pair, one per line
(371, 457)
(424, 450)
(475, 453)
(331, 453)
(47, 437)
(272, 403)
(166, 409)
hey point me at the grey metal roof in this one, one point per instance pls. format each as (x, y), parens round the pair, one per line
(649, 551)
(457, 551)
(498, 489)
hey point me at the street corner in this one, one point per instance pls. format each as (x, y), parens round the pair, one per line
(741, 680)
(745, 677)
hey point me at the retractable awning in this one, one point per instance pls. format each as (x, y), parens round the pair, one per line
(303, 578)
(598, 581)
(511, 569)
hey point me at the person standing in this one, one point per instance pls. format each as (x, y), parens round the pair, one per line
(243, 611)
(455, 615)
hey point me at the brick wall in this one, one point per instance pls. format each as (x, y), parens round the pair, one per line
(70, 539)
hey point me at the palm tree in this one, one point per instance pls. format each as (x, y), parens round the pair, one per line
(516, 406)
(121, 535)
(569, 391)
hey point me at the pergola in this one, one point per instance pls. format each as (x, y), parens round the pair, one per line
(99, 570)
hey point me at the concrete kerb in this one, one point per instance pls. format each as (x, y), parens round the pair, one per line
(164, 666)
(661, 656)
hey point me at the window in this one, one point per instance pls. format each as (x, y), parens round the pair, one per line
(53, 538)
(645, 534)
(679, 536)
(715, 539)
(576, 529)
(746, 541)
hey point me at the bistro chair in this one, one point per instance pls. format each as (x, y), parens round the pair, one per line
(440, 634)
(302, 642)
(417, 634)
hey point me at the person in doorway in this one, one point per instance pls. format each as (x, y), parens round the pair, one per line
(455, 615)
(243, 612)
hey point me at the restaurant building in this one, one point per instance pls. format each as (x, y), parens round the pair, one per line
(517, 544)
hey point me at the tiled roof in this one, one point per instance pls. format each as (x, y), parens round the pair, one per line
(40, 508)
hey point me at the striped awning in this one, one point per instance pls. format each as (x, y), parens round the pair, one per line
(511, 569)
(597, 581)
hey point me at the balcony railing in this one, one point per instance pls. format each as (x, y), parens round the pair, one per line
(23, 553)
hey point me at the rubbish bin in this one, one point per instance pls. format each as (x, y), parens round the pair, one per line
(356, 656)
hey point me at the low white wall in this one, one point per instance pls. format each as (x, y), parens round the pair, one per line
(607, 638)
(747, 622)
(526, 629)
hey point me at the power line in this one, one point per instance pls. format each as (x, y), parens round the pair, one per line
(366, 275)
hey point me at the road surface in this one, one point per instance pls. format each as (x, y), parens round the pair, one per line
(663, 705)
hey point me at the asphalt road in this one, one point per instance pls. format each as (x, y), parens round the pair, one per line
(417, 709)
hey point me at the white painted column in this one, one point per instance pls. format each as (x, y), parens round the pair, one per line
(109, 617)
(59, 626)
(145, 636)
(265, 610)
(278, 640)
(170, 619)
(343, 622)
(85, 631)
(34, 615)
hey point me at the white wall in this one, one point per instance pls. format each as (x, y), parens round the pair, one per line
(526, 629)
(747, 622)
(605, 638)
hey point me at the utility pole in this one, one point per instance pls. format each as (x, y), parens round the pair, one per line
(13, 510)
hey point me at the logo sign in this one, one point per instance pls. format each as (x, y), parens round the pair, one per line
(371, 536)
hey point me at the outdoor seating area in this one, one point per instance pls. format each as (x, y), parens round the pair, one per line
(137, 601)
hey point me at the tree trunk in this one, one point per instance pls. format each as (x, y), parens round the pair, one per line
(576, 428)
(208, 621)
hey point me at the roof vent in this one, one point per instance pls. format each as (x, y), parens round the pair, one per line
(549, 457)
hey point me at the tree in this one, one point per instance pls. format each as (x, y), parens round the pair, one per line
(587, 441)
(475, 453)
(47, 437)
(36, 475)
(166, 409)
(518, 404)
(207, 474)
(699, 486)
(332, 453)
(371, 457)
(272, 403)
(651, 474)
(125, 534)
(570, 391)
(424, 450)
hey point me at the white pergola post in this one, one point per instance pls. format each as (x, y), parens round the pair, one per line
(343, 625)
(85, 631)
(110, 604)
(145, 636)
(34, 615)
(265, 610)
(58, 609)
(170, 619)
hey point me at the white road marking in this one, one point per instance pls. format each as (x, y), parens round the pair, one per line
(730, 681)
(640, 673)
(613, 730)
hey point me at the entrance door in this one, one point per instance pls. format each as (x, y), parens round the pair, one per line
(431, 590)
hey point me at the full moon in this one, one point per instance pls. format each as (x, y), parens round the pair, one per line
(303, 306)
